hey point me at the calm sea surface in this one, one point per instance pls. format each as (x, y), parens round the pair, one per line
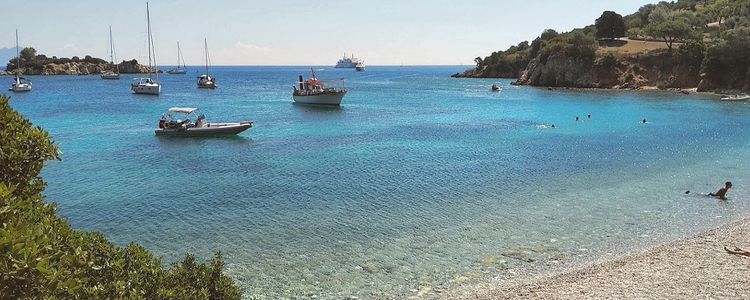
(417, 183)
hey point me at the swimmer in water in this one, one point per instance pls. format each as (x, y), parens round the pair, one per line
(644, 121)
(577, 119)
(721, 194)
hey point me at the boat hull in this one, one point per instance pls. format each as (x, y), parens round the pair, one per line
(20, 88)
(146, 89)
(211, 129)
(209, 85)
(177, 72)
(320, 99)
(110, 76)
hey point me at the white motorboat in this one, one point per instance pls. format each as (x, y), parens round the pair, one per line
(148, 86)
(495, 88)
(179, 70)
(20, 84)
(360, 66)
(205, 81)
(348, 62)
(735, 97)
(114, 71)
(313, 91)
(186, 121)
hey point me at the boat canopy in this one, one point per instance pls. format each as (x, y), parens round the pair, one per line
(184, 110)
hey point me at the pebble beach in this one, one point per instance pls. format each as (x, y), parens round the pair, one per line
(696, 267)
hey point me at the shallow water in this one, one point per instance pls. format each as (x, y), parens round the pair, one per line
(417, 182)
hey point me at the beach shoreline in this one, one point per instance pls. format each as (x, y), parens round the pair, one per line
(691, 267)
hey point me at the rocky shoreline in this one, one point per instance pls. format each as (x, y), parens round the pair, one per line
(82, 68)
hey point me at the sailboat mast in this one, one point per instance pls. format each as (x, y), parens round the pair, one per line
(205, 46)
(111, 47)
(178, 54)
(18, 59)
(148, 31)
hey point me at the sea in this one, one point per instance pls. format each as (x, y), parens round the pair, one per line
(417, 184)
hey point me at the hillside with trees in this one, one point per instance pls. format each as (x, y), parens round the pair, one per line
(682, 44)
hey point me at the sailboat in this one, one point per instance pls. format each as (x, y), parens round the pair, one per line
(205, 81)
(20, 84)
(147, 85)
(179, 70)
(114, 72)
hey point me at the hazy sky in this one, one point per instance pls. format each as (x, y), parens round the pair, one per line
(290, 32)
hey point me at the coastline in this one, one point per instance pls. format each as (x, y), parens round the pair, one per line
(683, 268)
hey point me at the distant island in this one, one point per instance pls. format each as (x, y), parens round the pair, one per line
(688, 44)
(39, 64)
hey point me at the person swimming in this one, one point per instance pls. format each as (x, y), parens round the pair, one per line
(722, 192)
(644, 121)
(577, 118)
(589, 116)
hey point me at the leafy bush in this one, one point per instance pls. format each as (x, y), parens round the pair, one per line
(41, 257)
(608, 60)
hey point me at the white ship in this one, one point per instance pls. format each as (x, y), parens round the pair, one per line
(348, 62)
(312, 91)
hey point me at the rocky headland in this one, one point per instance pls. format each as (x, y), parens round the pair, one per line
(691, 52)
(39, 64)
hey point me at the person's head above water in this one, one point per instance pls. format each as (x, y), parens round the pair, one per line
(728, 184)
(644, 120)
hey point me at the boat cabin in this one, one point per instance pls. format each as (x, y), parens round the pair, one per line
(182, 117)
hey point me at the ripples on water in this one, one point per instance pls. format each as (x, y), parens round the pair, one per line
(417, 183)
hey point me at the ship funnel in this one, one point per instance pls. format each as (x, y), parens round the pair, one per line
(301, 82)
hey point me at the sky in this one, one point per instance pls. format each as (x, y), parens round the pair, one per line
(292, 32)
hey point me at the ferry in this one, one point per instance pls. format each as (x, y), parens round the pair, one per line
(348, 62)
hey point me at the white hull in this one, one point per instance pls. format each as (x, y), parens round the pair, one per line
(211, 129)
(110, 76)
(20, 88)
(177, 72)
(146, 89)
(323, 99)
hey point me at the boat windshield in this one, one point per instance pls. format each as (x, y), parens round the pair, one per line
(143, 81)
(179, 115)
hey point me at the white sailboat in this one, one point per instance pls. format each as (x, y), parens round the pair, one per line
(114, 72)
(179, 70)
(20, 84)
(147, 85)
(205, 81)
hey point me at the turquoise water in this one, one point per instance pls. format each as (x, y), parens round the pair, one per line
(418, 183)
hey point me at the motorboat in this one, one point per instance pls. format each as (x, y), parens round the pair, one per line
(20, 84)
(187, 121)
(360, 66)
(114, 71)
(495, 88)
(148, 86)
(205, 81)
(179, 70)
(735, 97)
(348, 62)
(313, 91)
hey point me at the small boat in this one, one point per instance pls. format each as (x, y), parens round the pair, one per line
(147, 86)
(20, 84)
(360, 66)
(496, 88)
(205, 81)
(114, 71)
(186, 121)
(178, 70)
(735, 97)
(312, 91)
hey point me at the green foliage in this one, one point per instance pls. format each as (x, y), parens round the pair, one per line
(668, 27)
(41, 257)
(727, 59)
(608, 60)
(691, 54)
(575, 45)
(28, 54)
(610, 25)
